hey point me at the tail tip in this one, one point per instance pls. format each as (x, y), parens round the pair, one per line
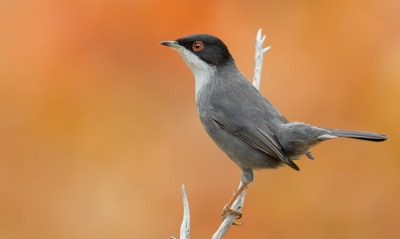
(381, 138)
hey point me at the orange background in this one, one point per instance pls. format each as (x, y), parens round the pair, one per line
(99, 129)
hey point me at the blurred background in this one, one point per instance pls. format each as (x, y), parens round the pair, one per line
(99, 128)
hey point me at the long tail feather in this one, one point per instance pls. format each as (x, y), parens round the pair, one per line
(370, 136)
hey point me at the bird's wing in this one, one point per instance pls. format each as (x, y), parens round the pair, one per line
(262, 138)
(241, 110)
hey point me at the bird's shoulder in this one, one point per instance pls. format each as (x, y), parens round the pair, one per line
(232, 95)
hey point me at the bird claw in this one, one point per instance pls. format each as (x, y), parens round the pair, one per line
(229, 211)
(235, 223)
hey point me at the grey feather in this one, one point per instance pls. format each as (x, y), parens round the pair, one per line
(250, 130)
(370, 136)
(227, 95)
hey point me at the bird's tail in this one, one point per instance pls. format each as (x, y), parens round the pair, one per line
(370, 136)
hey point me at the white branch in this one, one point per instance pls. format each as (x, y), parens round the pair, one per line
(185, 226)
(238, 204)
(259, 57)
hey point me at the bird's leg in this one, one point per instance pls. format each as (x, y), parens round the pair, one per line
(228, 207)
(247, 178)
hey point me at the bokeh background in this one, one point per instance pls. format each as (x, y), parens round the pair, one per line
(99, 129)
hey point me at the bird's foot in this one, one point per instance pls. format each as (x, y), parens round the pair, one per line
(229, 211)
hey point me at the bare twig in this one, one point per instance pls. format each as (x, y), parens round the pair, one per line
(238, 204)
(259, 57)
(185, 226)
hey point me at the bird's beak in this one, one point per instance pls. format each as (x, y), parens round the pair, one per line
(172, 44)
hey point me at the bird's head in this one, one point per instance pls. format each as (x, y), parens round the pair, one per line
(201, 51)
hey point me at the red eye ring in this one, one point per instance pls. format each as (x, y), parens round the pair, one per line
(198, 46)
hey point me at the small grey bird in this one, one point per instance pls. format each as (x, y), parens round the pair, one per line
(240, 120)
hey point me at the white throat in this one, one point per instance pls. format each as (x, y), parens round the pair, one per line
(201, 70)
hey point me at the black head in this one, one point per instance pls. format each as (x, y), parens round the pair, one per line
(208, 48)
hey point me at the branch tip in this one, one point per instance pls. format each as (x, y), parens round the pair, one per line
(266, 49)
(259, 33)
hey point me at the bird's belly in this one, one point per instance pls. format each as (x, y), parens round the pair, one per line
(243, 154)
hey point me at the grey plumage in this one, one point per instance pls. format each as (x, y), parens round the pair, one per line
(241, 121)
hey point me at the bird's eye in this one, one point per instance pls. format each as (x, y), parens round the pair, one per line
(198, 46)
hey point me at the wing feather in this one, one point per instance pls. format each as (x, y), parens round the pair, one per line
(261, 139)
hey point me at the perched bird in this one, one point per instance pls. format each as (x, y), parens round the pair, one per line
(241, 121)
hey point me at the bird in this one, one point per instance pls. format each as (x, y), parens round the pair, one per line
(240, 120)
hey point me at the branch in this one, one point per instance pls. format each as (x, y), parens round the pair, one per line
(238, 204)
(259, 57)
(185, 226)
